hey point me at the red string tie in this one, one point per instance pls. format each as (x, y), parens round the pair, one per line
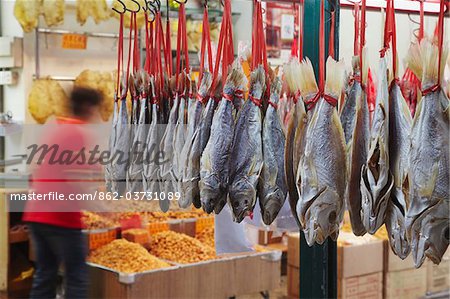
(227, 97)
(431, 89)
(296, 97)
(256, 101)
(275, 106)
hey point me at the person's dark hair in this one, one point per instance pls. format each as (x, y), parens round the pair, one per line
(82, 99)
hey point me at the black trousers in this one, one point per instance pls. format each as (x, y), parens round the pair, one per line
(53, 246)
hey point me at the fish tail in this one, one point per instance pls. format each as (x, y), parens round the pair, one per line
(335, 78)
(355, 64)
(430, 57)
(292, 75)
(205, 85)
(236, 78)
(414, 61)
(275, 87)
(307, 80)
(257, 81)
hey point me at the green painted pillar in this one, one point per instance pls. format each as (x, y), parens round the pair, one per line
(318, 264)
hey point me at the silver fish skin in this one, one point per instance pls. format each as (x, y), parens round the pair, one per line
(112, 141)
(292, 153)
(214, 162)
(180, 132)
(272, 184)
(191, 153)
(166, 147)
(358, 148)
(376, 179)
(323, 175)
(247, 162)
(348, 112)
(427, 219)
(399, 146)
(134, 174)
(121, 148)
(151, 171)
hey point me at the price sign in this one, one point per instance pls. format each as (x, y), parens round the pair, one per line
(74, 41)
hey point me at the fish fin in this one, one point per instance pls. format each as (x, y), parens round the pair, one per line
(205, 84)
(307, 80)
(427, 189)
(335, 77)
(413, 60)
(236, 78)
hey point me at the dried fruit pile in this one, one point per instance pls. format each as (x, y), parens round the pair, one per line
(127, 257)
(180, 248)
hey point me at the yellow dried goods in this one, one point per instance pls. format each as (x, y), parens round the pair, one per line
(206, 236)
(53, 12)
(97, 9)
(46, 98)
(27, 13)
(93, 221)
(126, 257)
(180, 248)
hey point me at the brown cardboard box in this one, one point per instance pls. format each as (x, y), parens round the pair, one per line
(405, 284)
(293, 254)
(293, 281)
(226, 277)
(364, 286)
(438, 276)
(359, 255)
(393, 263)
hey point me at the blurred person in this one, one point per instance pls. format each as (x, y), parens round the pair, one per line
(56, 226)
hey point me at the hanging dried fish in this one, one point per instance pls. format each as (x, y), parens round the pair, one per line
(272, 184)
(214, 163)
(295, 131)
(139, 132)
(376, 180)
(246, 165)
(427, 219)
(323, 166)
(192, 149)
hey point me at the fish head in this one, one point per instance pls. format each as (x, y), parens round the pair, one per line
(373, 210)
(322, 218)
(271, 205)
(430, 238)
(395, 225)
(242, 197)
(210, 191)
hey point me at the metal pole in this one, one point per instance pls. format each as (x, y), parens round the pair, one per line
(318, 264)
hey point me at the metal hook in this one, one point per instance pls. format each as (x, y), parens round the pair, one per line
(412, 20)
(137, 4)
(180, 2)
(124, 8)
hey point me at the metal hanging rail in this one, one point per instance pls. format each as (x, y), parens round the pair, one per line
(38, 31)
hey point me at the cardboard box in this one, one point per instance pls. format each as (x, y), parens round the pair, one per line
(405, 284)
(293, 281)
(293, 254)
(226, 277)
(364, 286)
(359, 256)
(393, 263)
(438, 276)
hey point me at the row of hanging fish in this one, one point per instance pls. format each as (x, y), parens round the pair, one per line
(398, 166)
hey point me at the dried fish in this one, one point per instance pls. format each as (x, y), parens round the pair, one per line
(323, 166)
(247, 162)
(427, 219)
(399, 146)
(272, 185)
(214, 163)
(348, 112)
(294, 133)
(357, 150)
(190, 172)
(376, 180)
